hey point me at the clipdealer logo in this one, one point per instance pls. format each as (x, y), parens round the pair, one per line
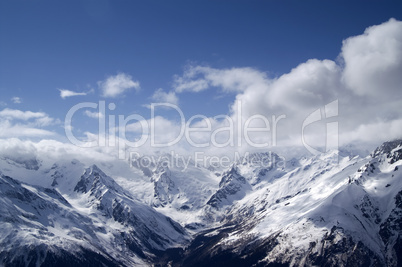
(331, 131)
(238, 131)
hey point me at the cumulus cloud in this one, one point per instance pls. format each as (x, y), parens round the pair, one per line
(373, 64)
(310, 84)
(163, 97)
(366, 84)
(261, 102)
(68, 93)
(362, 88)
(117, 85)
(16, 100)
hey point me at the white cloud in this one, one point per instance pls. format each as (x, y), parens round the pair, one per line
(183, 84)
(17, 123)
(44, 121)
(366, 84)
(165, 130)
(49, 151)
(367, 87)
(22, 131)
(68, 93)
(16, 100)
(21, 115)
(163, 97)
(373, 61)
(16, 149)
(95, 115)
(306, 88)
(375, 132)
(295, 95)
(117, 85)
(199, 78)
(308, 85)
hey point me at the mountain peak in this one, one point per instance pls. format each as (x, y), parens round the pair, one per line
(392, 150)
(387, 147)
(94, 179)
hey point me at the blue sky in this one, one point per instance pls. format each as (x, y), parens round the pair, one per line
(46, 46)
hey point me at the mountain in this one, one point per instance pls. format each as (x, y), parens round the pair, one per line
(40, 227)
(144, 228)
(99, 224)
(323, 212)
(178, 188)
(335, 209)
(233, 186)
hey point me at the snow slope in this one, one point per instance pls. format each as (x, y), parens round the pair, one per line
(98, 218)
(322, 212)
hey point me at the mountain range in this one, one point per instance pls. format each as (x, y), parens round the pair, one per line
(334, 209)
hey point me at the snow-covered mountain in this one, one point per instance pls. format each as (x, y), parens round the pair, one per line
(322, 212)
(99, 223)
(337, 208)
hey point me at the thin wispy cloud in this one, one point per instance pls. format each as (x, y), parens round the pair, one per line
(165, 97)
(199, 78)
(20, 115)
(16, 100)
(64, 93)
(94, 115)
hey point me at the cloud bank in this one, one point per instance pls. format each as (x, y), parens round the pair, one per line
(367, 82)
(17, 123)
